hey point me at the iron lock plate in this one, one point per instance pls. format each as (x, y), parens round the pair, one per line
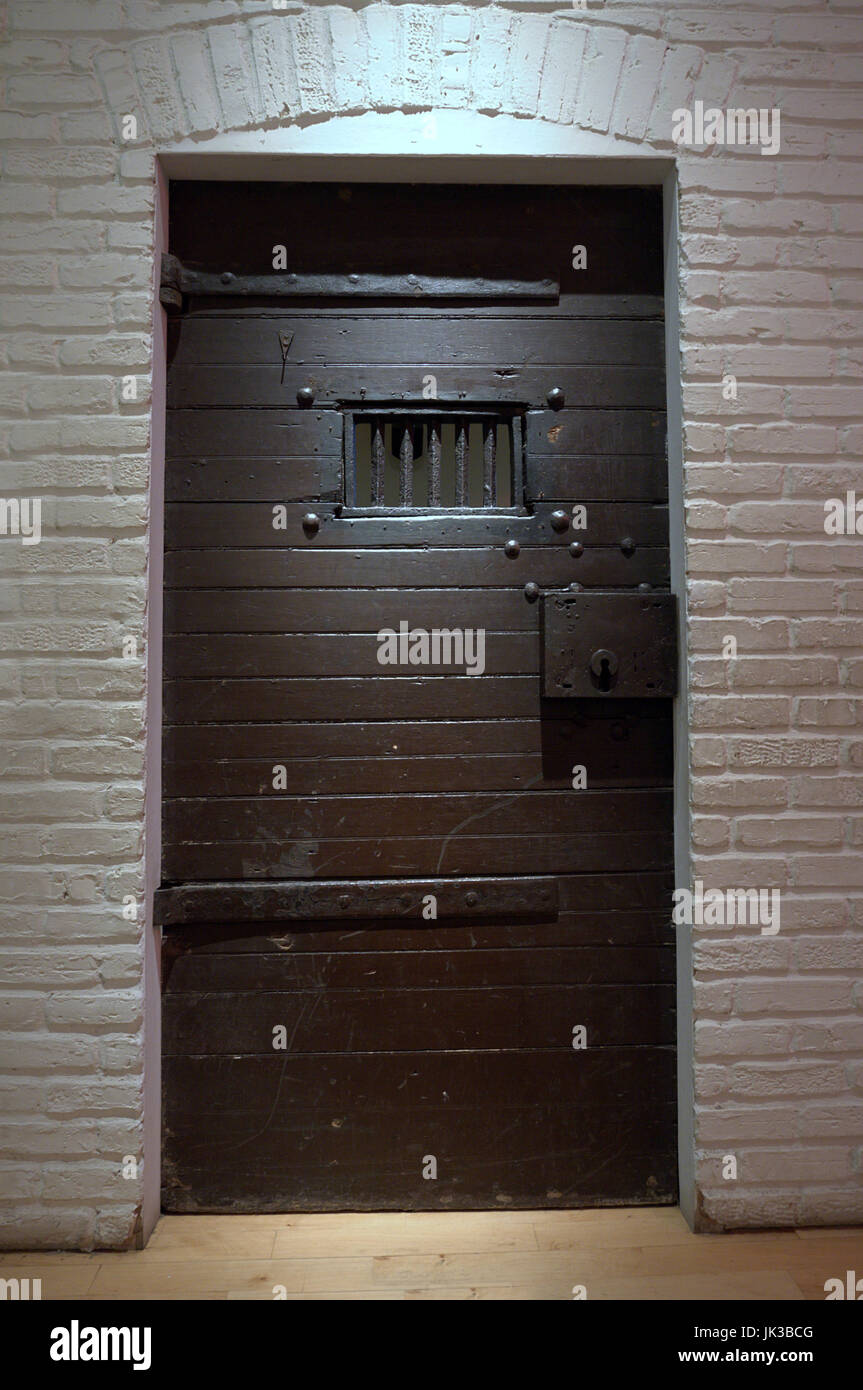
(608, 643)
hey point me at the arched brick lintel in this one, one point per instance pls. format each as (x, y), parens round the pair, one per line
(268, 71)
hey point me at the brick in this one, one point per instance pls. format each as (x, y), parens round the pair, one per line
(68, 165)
(741, 1126)
(725, 792)
(781, 595)
(638, 86)
(751, 635)
(108, 270)
(797, 1165)
(601, 67)
(755, 671)
(829, 792)
(420, 52)
(347, 38)
(97, 200)
(785, 752)
(749, 952)
(561, 71)
(795, 1079)
(729, 712)
(489, 59)
(742, 1040)
(735, 557)
(710, 833)
(236, 83)
(840, 870)
(730, 480)
(313, 60)
(72, 394)
(196, 82)
(770, 833)
(675, 89)
(51, 89)
(792, 996)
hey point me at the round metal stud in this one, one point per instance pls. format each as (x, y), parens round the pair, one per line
(576, 549)
(627, 545)
(226, 277)
(344, 901)
(559, 521)
(556, 398)
(576, 588)
(531, 591)
(645, 588)
(311, 523)
(305, 396)
(512, 549)
(471, 899)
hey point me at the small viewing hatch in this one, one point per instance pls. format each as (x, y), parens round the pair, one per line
(420, 459)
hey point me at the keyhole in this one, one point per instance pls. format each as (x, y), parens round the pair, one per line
(604, 675)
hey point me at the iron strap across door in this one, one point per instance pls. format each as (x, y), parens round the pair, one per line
(396, 899)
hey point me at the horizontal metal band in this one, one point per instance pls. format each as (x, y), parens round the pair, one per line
(177, 279)
(356, 899)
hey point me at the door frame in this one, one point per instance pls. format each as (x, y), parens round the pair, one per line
(396, 149)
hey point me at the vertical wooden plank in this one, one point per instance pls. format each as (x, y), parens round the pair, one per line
(406, 464)
(434, 448)
(516, 447)
(378, 457)
(489, 457)
(461, 463)
(350, 460)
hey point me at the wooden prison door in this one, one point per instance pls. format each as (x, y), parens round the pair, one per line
(419, 661)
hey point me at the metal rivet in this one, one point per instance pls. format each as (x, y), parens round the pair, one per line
(559, 521)
(576, 588)
(226, 277)
(471, 899)
(556, 398)
(311, 524)
(305, 396)
(576, 549)
(344, 901)
(531, 592)
(645, 588)
(512, 549)
(627, 545)
(354, 279)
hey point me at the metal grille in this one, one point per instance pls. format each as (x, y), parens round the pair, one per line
(417, 460)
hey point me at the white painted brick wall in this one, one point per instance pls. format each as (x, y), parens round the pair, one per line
(771, 290)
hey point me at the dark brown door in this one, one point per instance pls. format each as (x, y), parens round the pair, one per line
(417, 701)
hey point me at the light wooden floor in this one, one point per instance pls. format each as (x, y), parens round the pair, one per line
(630, 1254)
